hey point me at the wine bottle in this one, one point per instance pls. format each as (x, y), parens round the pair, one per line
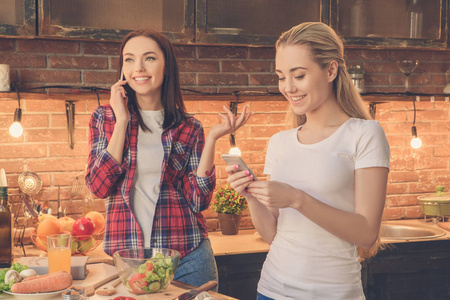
(5, 229)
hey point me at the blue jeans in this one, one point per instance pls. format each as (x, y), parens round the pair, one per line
(262, 297)
(198, 267)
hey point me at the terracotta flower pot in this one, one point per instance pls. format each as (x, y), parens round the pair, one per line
(229, 223)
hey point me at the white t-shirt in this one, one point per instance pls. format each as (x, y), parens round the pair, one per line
(306, 261)
(146, 182)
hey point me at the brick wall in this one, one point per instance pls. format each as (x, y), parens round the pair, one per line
(214, 69)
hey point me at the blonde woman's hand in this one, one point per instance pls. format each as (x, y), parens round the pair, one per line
(276, 194)
(239, 180)
(119, 101)
(231, 123)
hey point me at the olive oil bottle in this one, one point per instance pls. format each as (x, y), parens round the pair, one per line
(5, 229)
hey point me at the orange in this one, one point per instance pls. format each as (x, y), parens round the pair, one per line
(48, 226)
(98, 220)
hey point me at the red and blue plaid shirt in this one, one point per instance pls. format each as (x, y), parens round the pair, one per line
(178, 223)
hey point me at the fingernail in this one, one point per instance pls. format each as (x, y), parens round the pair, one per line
(251, 176)
(236, 167)
(247, 172)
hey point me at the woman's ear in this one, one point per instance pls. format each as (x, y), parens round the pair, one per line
(332, 70)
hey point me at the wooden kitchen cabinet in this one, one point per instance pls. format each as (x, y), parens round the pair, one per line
(411, 270)
(96, 19)
(386, 23)
(253, 22)
(18, 18)
(239, 274)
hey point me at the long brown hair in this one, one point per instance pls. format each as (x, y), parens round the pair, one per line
(171, 98)
(326, 46)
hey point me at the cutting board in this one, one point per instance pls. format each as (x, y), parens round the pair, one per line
(101, 270)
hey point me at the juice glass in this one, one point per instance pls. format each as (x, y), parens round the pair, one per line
(59, 252)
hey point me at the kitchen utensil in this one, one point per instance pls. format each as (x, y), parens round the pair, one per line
(59, 215)
(109, 289)
(194, 292)
(77, 187)
(70, 115)
(30, 184)
(90, 289)
(437, 204)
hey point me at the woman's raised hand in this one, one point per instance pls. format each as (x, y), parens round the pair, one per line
(119, 101)
(231, 124)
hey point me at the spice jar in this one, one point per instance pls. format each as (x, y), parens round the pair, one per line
(357, 76)
(74, 293)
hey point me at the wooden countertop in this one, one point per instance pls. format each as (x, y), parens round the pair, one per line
(247, 241)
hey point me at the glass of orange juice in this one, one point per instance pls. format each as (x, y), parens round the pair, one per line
(59, 252)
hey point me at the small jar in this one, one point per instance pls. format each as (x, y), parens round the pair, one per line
(357, 76)
(74, 293)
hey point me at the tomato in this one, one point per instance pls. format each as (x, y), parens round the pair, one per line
(148, 267)
(137, 283)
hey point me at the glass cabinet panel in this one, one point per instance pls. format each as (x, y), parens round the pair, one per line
(92, 19)
(253, 21)
(402, 22)
(17, 18)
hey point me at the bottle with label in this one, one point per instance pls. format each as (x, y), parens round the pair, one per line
(6, 236)
(415, 19)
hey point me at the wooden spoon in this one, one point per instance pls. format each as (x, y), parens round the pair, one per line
(90, 289)
(109, 289)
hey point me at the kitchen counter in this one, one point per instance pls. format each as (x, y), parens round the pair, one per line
(99, 271)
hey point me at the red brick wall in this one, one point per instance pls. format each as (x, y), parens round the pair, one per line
(216, 69)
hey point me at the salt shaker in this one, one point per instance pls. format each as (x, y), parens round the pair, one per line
(357, 75)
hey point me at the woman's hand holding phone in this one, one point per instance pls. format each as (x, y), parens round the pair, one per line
(119, 100)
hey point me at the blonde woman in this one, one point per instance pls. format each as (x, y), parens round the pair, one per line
(327, 177)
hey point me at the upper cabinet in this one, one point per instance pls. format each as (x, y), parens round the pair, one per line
(112, 20)
(403, 23)
(18, 18)
(381, 23)
(257, 22)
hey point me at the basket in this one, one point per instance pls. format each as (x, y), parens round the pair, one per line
(80, 244)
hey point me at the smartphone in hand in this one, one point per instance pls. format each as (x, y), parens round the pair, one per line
(232, 160)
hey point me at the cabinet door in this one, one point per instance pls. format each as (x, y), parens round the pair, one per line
(401, 23)
(258, 22)
(17, 18)
(111, 20)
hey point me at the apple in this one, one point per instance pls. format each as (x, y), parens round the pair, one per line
(86, 245)
(83, 228)
(74, 246)
(66, 223)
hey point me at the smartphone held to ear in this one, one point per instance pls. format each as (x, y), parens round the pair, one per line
(233, 160)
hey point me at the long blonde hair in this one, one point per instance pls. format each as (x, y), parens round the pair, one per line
(326, 46)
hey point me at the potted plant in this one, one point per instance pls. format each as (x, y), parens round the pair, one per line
(229, 205)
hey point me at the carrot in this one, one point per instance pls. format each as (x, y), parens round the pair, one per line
(43, 284)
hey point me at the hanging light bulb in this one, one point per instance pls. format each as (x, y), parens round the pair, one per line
(16, 128)
(235, 151)
(416, 142)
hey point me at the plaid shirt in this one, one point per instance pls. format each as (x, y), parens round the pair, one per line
(178, 223)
